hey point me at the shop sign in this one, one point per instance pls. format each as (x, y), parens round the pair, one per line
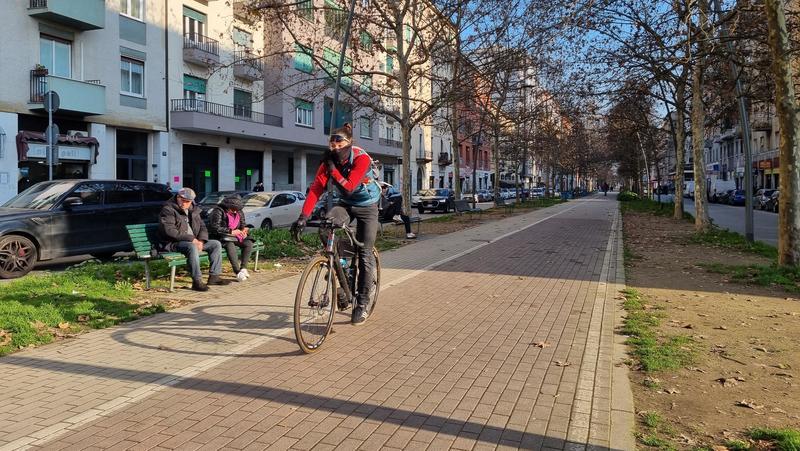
(765, 164)
(82, 153)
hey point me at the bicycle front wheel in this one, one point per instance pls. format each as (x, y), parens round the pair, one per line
(314, 304)
(376, 284)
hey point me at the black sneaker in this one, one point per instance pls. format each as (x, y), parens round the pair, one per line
(198, 285)
(359, 316)
(217, 280)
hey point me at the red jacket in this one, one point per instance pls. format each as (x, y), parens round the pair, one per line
(348, 178)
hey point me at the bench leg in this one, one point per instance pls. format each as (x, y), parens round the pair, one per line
(172, 279)
(255, 265)
(147, 274)
(418, 223)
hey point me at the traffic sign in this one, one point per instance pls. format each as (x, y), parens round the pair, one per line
(51, 101)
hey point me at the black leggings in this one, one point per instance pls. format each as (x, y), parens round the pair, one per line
(396, 208)
(366, 232)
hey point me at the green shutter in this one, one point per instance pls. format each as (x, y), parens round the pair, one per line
(303, 105)
(389, 64)
(194, 84)
(366, 85)
(242, 98)
(302, 58)
(196, 15)
(347, 71)
(366, 41)
(407, 33)
(331, 61)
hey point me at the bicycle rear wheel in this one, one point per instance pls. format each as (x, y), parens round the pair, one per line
(376, 285)
(314, 304)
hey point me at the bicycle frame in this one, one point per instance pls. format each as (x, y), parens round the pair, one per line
(345, 283)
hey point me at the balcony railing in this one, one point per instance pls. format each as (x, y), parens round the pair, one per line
(235, 112)
(424, 156)
(200, 42)
(248, 58)
(39, 82)
(390, 143)
(38, 4)
(444, 159)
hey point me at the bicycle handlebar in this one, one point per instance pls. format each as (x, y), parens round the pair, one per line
(330, 224)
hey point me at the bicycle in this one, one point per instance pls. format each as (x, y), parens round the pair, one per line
(314, 309)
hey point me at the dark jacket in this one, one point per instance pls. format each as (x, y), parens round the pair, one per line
(173, 225)
(218, 223)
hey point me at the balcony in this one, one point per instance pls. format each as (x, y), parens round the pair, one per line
(78, 97)
(247, 65)
(78, 14)
(424, 156)
(243, 10)
(444, 159)
(200, 49)
(761, 121)
(390, 143)
(226, 120)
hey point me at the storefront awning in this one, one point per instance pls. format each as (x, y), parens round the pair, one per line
(25, 137)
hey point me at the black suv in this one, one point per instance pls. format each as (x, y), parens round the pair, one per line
(73, 217)
(436, 199)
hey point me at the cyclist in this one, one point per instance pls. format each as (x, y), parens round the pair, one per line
(350, 168)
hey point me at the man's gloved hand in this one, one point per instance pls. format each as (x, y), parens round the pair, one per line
(297, 228)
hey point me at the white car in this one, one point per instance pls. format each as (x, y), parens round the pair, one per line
(272, 209)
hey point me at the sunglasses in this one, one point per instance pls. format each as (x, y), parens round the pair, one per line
(338, 139)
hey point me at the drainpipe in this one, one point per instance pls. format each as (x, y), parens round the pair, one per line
(166, 60)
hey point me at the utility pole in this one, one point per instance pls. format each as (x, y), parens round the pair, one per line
(745, 124)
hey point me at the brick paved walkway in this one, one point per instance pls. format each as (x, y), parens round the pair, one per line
(499, 336)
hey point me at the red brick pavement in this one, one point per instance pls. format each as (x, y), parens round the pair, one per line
(449, 360)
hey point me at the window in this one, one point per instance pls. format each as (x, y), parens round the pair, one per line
(242, 103)
(389, 64)
(365, 41)
(302, 58)
(407, 33)
(331, 61)
(304, 113)
(56, 56)
(366, 128)
(242, 39)
(124, 193)
(132, 8)
(335, 20)
(89, 193)
(194, 24)
(131, 155)
(305, 9)
(194, 90)
(366, 84)
(132, 77)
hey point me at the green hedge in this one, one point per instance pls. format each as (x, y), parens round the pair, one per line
(626, 196)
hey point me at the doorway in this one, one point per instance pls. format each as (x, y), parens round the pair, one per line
(200, 171)
(248, 169)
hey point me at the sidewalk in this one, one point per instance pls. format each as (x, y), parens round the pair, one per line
(497, 335)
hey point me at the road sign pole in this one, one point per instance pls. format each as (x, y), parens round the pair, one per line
(49, 135)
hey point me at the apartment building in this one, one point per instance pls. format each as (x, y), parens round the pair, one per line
(106, 65)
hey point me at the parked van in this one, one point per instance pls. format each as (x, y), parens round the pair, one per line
(716, 188)
(688, 189)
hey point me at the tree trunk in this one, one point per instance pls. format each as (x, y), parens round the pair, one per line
(680, 147)
(405, 114)
(787, 111)
(701, 221)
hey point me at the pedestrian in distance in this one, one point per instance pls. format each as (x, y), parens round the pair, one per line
(351, 170)
(391, 209)
(605, 189)
(259, 186)
(227, 224)
(180, 229)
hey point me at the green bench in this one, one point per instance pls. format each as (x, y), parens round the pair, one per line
(143, 238)
(463, 206)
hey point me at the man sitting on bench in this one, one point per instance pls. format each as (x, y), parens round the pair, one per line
(180, 229)
(391, 209)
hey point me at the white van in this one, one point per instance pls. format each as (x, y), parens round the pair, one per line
(716, 188)
(688, 189)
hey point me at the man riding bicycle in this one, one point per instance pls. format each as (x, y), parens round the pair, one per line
(350, 169)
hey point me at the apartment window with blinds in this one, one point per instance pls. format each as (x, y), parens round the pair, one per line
(304, 113)
(302, 59)
(366, 128)
(335, 20)
(56, 55)
(132, 77)
(365, 41)
(305, 9)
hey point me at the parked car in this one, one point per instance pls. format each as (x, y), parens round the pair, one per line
(214, 198)
(470, 197)
(415, 199)
(717, 187)
(322, 204)
(272, 209)
(725, 198)
(688, 189)
(436, 199)
(485, 195)
(737, 197)
(73, 217)
(761, 198)
(537, 193)
(772, 203)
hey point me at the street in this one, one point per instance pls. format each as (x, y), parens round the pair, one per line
(500, 334)
(765, 223)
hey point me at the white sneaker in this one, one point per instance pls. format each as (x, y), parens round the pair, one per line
(246, 272)
(410, 236)
(241, 277)
(397, 218)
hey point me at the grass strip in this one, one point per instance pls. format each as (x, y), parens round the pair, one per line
(732, 240)
(785, 277)
(652, 352)
(782, 439)
(652, 207)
